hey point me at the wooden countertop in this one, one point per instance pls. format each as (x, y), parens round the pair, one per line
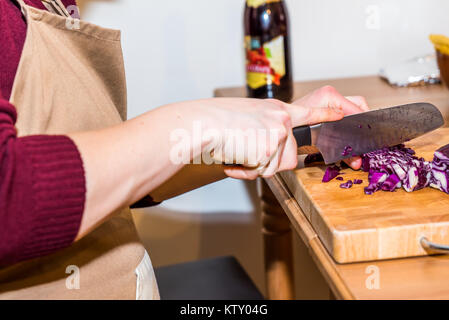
(355, 227)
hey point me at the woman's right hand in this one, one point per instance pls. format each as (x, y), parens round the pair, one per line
(263, 127)
(271, 147)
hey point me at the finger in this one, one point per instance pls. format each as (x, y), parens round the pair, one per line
(359, 101)
(319, 115)
(269, 171)
(355, 162)
(287, 152)
(273, 165)
(276, 148)
(241, 173)
(348, 107)
(303, 115)
(289, 157)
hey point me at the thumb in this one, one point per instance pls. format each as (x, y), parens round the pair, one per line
(301, 116)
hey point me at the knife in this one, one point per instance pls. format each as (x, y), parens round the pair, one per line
(364, 132)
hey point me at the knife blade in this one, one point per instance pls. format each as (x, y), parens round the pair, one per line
(369, 131)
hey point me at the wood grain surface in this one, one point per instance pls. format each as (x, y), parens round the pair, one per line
(357, 227)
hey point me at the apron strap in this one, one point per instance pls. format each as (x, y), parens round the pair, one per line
(56, 7)
(23, 7)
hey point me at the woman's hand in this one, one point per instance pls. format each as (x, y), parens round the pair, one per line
(322, 105)
(329, 97)
(268, 142)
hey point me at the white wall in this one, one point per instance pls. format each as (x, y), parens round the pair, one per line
(178, 49)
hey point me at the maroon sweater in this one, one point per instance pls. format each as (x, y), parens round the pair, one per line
(42, 183)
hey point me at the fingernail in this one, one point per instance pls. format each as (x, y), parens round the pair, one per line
(354, 162)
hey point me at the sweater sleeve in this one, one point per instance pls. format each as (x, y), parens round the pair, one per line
(42, 191)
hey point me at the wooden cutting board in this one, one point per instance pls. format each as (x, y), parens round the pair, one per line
(357, 227)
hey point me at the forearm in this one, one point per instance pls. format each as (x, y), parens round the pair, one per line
(124, 163)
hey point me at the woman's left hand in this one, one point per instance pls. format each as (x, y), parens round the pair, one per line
(329, 97)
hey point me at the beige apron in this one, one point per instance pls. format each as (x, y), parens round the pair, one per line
(71, 78)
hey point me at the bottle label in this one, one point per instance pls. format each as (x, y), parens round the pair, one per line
(258, 3)
(265, 62)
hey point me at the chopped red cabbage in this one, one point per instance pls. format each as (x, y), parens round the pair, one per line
(391, 183)
(346, 185)
(440, 169)
(347, 151)
(331, 172)
(395, 167)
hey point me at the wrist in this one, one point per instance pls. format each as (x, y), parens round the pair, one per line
(194, 126)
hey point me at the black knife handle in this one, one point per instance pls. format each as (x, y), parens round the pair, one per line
(303, 136)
